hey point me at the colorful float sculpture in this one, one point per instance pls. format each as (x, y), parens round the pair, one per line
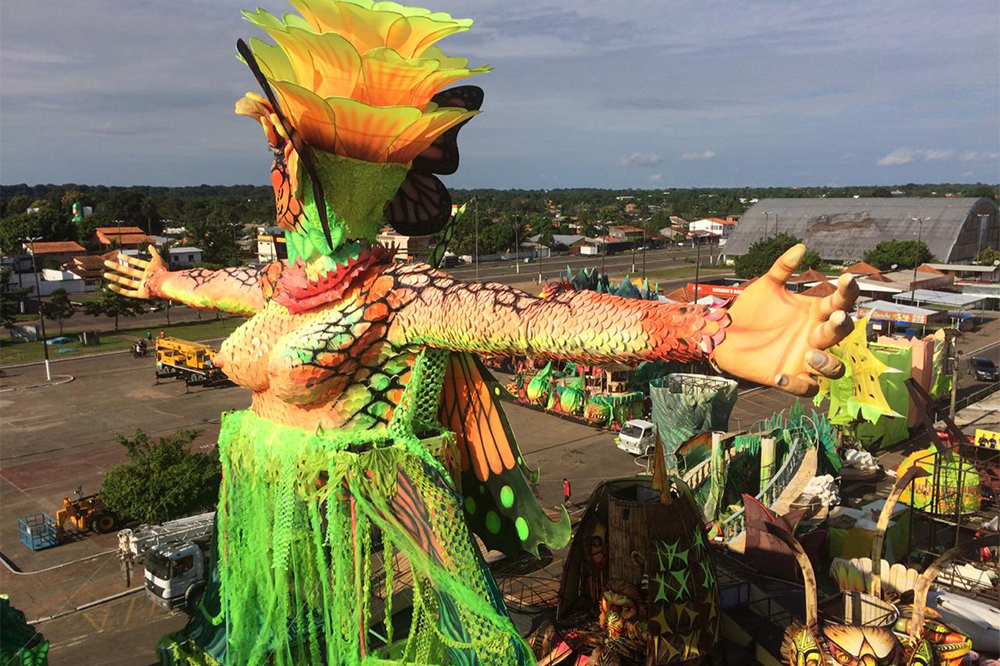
(371, 425)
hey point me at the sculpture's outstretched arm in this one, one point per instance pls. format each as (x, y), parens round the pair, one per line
(767, 335)
(239, 290)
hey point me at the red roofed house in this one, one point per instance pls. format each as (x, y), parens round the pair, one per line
(57, 251)
(626, 232)
(89, 266)
(121, 237)
(862, 268)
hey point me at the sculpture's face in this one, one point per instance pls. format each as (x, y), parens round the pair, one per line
(922, 655)
(619, 606)
(861, 646)
(800, 647)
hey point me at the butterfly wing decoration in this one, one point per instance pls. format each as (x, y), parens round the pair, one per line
(422, 205)
(499, 505)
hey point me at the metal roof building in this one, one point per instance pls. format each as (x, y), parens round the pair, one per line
(842, 230)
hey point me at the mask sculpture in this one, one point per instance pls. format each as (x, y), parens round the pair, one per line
(370, 412)
(921, 641)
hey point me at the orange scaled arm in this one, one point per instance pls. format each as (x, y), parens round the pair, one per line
(561, 324)
(241, 290)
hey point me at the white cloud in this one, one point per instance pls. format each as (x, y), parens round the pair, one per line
(698, 157)
(656, 177)
(897, 157)
(976, 156)
(932, 155)
(641, 160)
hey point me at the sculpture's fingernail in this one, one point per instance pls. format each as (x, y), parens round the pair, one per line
(838, 317)
(781, 380)
(817, 358)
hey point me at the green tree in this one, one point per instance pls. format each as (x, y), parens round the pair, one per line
(902, 253)
(10, 299)
(163, 480)
(987, 256)
(59, 307)
(761, 256)
(110, 304)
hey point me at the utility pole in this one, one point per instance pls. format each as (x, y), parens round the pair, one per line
(517, 249)
(955, 361)
(920, 233)
(697, 272)
(476, 219)
(766, 214)
(38, 297)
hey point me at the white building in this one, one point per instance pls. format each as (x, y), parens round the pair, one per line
(714, 225)
(183, 257)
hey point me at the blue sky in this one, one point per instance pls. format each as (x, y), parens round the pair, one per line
(609, 93)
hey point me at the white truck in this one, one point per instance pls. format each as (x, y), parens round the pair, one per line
(637, 437)
(174, 555)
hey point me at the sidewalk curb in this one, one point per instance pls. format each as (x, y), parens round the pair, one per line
(66, 380)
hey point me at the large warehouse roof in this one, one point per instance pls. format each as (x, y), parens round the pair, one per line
(844, 229)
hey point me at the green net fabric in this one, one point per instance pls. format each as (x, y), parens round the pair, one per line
(304, 518)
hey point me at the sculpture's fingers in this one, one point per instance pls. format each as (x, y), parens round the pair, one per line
(842, 299)
(825, 364)
(833, 330)
(123, 280)
(112, 265)
(797, 384)
(787, 263)
(135, 261)
(128, 270)
(131, 293)
(156, 261)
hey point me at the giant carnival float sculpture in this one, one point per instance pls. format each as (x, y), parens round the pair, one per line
(371, 425)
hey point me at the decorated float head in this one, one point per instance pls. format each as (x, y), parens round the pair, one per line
(355, 112)
(813, 644)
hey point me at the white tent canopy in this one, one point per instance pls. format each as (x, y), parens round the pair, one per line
(945, 298)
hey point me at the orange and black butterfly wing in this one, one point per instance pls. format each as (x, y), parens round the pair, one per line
(422, 205)
(288, 208)
(499, 504)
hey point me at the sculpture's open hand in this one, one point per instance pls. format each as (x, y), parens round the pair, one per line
(778, 338)
(130, 275)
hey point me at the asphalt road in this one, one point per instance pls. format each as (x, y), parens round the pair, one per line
(511, 272)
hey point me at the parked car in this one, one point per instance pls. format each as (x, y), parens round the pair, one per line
(984, 369)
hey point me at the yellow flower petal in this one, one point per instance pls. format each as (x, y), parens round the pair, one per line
(327, 64)
(439, 80)
(447, 61)
(418, 136)
(390, 80)
(309, 113)
(410, 36)
(272, 60)
(365, 132)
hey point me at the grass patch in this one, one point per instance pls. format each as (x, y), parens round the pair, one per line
(25, 352)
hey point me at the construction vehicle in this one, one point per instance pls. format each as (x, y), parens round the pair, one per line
(85, 512)
(175, 555)
(191, 361)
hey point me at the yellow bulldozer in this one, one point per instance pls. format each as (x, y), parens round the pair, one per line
(191, 361)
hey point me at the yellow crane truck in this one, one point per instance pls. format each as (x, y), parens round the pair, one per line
(191, 361)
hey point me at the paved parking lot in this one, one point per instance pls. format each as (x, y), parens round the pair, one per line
(57, 438)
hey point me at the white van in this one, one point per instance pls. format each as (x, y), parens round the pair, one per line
(637, 437)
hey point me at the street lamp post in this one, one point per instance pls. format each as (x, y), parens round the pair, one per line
(475, 217)
(766, 214)
(517, 249)
(920, 233)
(38, 297)
(697, 273)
